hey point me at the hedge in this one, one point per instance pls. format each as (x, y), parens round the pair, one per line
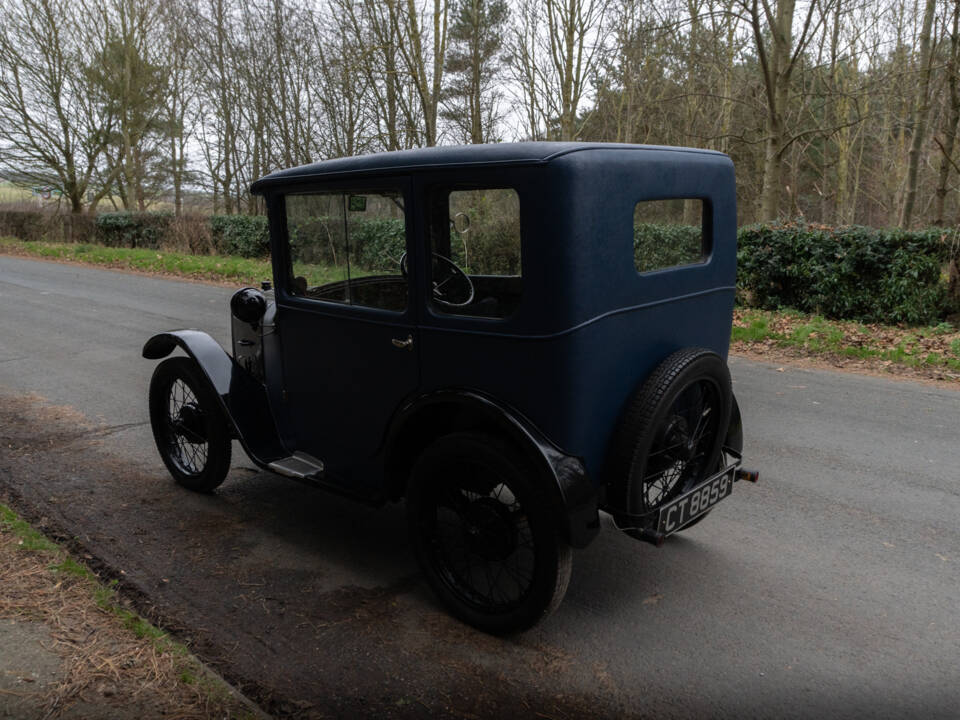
(851, 273)
(40, 226)
(243, 235)
(133, 229)
(658, 246)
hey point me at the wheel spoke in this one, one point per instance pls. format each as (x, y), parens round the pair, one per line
(688, 431)
(471, 511)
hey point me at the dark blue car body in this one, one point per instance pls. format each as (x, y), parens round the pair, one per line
(363, 390)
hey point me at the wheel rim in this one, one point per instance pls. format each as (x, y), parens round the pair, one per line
(185, 430)
(479, 538)
(682, 443)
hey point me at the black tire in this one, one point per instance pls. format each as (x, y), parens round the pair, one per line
(485, 534)
(734, 441)
(188, 424)
(672, 431)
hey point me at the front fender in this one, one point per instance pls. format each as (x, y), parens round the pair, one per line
(216, 364)
(243, 398)
(575, 497)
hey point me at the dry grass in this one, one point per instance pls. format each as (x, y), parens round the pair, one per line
(109, 655)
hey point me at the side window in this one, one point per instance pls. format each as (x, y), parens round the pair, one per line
(475, 266)
(346, 247)
(669, 233)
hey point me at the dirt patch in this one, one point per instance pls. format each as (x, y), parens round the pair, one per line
(309, 604)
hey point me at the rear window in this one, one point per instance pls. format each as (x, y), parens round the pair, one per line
(669, 233)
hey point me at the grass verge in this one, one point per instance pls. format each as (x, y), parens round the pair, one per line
(935, 347)
(202, 267)
(110, 654)
(218, 268)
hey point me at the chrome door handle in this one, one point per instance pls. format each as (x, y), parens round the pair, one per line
(403, 344)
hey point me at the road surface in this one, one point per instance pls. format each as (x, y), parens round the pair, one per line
(830, 589)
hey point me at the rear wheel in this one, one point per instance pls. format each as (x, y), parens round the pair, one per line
(188, 425)
(732, 441)
(485, 535)
(671, 434)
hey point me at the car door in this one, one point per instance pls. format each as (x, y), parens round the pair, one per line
(347, 319)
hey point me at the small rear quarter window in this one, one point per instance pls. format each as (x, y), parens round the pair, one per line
(668, 233)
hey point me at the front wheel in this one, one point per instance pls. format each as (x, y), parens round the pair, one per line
(485, 535)
(188, 424)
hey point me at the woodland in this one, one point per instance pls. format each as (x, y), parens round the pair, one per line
(835, 112)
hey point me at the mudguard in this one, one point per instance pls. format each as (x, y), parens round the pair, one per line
(575, 496)
(242, 397)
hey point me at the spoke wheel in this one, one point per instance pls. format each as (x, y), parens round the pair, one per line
(484, 534)
(677, 459)
(672, 430)
(188, 425)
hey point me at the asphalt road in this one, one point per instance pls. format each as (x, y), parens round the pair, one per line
(830, 589)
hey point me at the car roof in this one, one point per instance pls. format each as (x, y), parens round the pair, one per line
(522, 153)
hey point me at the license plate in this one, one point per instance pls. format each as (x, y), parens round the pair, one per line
(696, 502)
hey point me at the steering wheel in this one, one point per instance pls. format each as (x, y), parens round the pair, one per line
(451, 285)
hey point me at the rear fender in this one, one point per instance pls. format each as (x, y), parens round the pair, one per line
(243, 398)
(734, 438)
(574, 496)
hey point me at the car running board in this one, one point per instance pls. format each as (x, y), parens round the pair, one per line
(299, 465)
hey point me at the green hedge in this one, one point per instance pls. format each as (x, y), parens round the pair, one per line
(851, 273)
(243, 235)
(375, 244)
(658, 246)
(379, 244)
(133, 229)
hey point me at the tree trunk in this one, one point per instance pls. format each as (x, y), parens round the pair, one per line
(777, 67)
(953, 118)
(922, 110)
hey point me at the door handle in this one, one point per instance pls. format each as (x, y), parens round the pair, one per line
(403, 344)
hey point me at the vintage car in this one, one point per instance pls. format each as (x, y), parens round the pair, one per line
(511, 337)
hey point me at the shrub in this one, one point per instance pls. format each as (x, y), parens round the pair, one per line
(78, 228)
(244, 235)
(661, 246)
(133, 229)
(190, 233)
(852, 273)
(379, 243)
(313, 241)
(31, 225)
(41, 226)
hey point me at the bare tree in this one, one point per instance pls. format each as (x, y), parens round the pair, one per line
(52, 132)
(779, 55)
(554, 59)
(216, 45)
(952, 118)
(181, 89)
(920, 113)
(344, 92)
(416, 30)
